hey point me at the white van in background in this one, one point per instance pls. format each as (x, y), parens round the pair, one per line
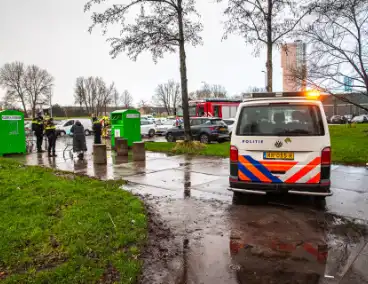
(64, 128)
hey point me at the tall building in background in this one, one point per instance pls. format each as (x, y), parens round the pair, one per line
(293, 60)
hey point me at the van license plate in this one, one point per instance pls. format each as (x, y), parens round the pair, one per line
(278, 155)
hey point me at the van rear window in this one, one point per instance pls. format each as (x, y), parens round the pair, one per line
(280, 120)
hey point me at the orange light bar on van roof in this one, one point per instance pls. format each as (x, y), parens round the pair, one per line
(310, 94)
(313, 94)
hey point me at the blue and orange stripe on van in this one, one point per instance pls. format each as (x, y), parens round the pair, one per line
(252, 170)
(278, 166)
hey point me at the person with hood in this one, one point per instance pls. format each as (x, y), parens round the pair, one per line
(97, 130)
(79, 139)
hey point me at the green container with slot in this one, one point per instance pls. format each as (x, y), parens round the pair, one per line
(12, 132)
(126, 124)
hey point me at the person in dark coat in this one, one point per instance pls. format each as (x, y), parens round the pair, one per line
(97, 130)
(38, 128)
(79, 139)
(50, 131)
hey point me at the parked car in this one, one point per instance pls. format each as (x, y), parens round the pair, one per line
(160, 120)
(338, 119)
(230, 124)
(148, 117)
(360, 119)
(148, 128)
(28, 126)
(204, 129)
(348, 117)
(64, 127)
(164, 126)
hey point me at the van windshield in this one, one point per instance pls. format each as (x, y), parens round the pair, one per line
(280, 120)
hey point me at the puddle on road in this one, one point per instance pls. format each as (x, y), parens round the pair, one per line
(219, 243)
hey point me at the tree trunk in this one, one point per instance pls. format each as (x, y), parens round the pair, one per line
(269, 47)
(183, 75)
(24, 108)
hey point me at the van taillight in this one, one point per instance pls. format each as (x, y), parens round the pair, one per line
(233, 154)
(326, 156)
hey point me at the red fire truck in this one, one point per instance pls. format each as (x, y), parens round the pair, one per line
(216, 107)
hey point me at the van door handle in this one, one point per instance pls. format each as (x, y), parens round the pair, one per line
(278, 172)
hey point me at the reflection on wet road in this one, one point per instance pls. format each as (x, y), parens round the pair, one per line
(278, 240)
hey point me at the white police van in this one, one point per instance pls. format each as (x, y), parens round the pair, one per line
(281, 144)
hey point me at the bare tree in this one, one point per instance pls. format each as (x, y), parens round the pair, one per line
(264, 22)
(209, 91)
(338, 41)
(80, 93)
(94, 94)
(218, 91)
(168, 96)
(161, 26)
(253, 89)
(37, 83)
(11, 78)
(204, 92)
(106, 94)
(116, 98)
(142, 104)
(127, 99)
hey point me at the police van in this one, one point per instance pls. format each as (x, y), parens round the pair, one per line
(281, 144)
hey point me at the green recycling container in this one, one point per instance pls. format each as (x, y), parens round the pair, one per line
(126, 124)
(12, 132)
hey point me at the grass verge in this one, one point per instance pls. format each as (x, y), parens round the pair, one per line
(220, 150)
(349, 146)
(61, 228)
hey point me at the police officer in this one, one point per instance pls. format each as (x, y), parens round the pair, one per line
(37, 128)
(105, 122)
(50, 131)
(97, 129)
(46, 116)
(93, 117)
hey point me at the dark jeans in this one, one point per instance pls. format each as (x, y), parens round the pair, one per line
(52, 143)
(97, 138)
(39, 142)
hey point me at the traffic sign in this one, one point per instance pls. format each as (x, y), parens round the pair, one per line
(348, 84)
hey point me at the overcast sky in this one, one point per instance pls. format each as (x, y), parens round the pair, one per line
(53, 35)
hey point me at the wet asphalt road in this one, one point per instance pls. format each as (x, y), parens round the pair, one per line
(278, 240)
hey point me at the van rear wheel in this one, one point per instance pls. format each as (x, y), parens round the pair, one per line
(320, 202)
(87, 132)
(237, 198)
(246, 198)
